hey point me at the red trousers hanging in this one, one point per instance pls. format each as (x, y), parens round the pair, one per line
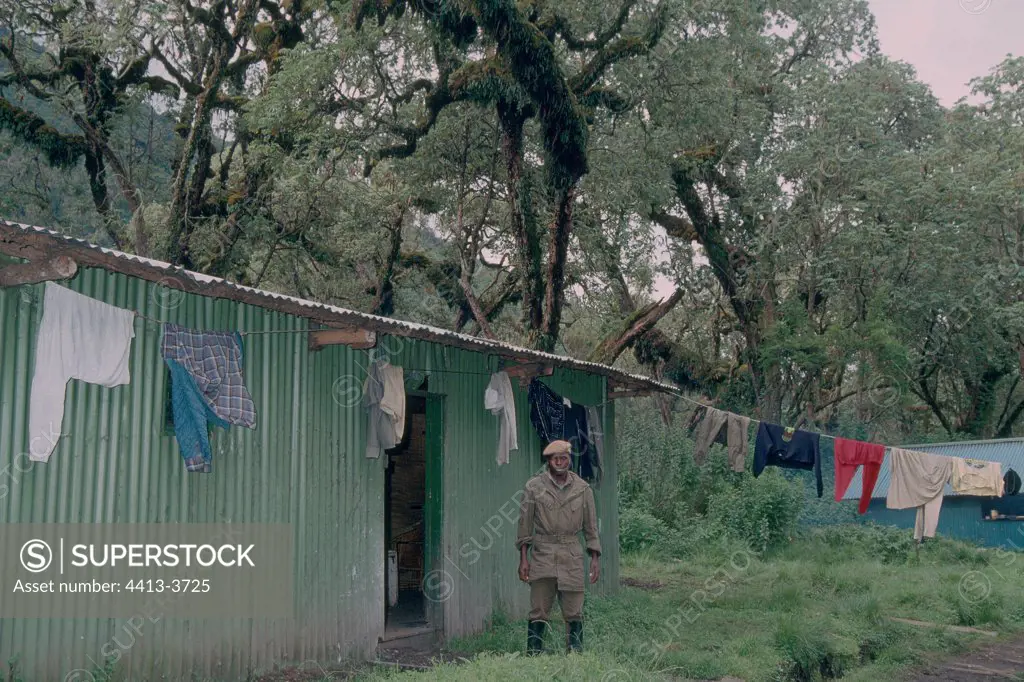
(850, 454)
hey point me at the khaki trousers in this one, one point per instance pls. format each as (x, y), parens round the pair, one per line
(927, 520)
(542, 598)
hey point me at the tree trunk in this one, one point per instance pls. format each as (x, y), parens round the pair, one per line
(179, 219)
(974, 422)
(528, 252)
(558, 250)
(478, 313)
(193, 166)
(384, 301)
(97, 174)
(98, 140)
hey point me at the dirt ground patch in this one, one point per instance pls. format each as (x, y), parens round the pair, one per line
(414, 658)
(409, 659)
(311, 673)
(642, 584)
(996, 661)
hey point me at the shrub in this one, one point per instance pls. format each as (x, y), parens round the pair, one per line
(887, 544)
(761, 511)
(892, 545)
(640, 531)
(700, 535)
(656, 467)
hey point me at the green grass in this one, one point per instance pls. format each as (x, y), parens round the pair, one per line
(816, 609)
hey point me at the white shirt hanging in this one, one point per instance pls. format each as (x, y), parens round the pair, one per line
(500, 401)
(78, 338)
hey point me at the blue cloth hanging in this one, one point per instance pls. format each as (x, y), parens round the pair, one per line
(191, 416)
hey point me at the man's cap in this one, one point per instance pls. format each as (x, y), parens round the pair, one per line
(556, 447)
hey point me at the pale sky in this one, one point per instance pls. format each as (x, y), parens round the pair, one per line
(949, 42)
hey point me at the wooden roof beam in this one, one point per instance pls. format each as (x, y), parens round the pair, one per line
(42, 270)
(353, 337)
(527, 371)
(627, 389)
(638, 393)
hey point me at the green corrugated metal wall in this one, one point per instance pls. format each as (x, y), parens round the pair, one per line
(959, 518)
(303, 464)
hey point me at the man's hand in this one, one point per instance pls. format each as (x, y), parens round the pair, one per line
(595, 569)
(524, 569)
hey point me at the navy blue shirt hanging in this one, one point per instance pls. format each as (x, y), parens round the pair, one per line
(787, 448)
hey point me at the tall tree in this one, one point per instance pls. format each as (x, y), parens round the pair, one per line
(530, 63)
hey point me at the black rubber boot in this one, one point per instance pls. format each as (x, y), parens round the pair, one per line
(535, 637)
(575, 636)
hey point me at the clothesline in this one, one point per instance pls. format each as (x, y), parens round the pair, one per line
(242, 333)
(451, 371)
(752, 419)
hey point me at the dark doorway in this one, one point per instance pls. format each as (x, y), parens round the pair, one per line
(405, 521)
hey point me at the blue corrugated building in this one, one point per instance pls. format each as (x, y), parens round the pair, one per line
(990, 521)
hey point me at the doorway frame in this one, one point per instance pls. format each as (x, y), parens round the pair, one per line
(437, 585)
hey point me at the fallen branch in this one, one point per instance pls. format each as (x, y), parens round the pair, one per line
(955, 628)
(982, 671)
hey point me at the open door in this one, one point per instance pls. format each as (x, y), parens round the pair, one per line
(404, 527)
(412, 521)
(438, 582)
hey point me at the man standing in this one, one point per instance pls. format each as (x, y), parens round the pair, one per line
(557, 505)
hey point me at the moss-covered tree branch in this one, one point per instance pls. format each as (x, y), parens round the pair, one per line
(61, 150)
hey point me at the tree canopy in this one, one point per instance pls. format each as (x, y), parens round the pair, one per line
(833, 247)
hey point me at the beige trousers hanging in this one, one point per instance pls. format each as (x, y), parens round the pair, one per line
(918, 479)
(927, 518)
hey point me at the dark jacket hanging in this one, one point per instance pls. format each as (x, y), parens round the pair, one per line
(547, 412)
(787, 448)
(554, 420)
(577, 427)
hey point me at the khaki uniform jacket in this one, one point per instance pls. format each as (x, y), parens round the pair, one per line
(975, 477)
(550, 523)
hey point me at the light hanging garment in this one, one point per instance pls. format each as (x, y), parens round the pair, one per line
(738, 428)
(787, 448)
(78, 338)
(732, 430)
(850, 454)
(207, 386)
(977, 477)
(500, 401)
(918, 479)
(384, 398)
(710, 430)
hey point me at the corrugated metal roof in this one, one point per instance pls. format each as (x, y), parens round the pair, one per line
(1009, 452)
(28, 236)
